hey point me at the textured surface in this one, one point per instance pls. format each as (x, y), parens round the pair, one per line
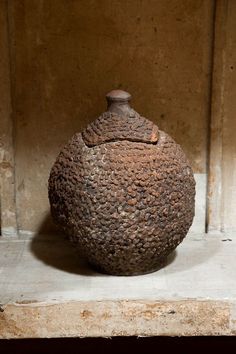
(47, 291)
(110, 127)
(65, 56)
(127, 204)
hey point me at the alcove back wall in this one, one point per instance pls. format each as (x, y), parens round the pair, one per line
(66, 55)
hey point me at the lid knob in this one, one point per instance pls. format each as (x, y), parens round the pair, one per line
(118, 96)
(118, 102)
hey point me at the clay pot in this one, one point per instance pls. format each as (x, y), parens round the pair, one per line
(123, 190)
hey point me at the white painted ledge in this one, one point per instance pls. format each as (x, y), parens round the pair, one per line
(46, 290)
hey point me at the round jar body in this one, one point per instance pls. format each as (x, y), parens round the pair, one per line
(126, 204)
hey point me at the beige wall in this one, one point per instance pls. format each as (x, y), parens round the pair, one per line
(7, 179)
(222, 171)
(229, 130)
(65, 56)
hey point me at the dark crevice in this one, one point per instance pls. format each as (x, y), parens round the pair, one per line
(114, 140)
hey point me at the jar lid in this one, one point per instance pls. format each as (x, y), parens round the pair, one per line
(120, 122)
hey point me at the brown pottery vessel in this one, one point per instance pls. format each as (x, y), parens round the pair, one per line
(123, 190)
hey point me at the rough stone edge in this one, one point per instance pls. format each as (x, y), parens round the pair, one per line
(117, 318)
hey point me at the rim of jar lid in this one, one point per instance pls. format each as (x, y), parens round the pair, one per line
(118, 96)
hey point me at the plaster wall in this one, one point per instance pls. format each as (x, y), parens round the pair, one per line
(66, 55)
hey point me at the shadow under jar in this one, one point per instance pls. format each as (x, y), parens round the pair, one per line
(123, 190)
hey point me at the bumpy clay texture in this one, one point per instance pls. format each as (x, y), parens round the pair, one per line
(123, 191)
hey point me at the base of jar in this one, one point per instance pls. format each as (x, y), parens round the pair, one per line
(160, 265)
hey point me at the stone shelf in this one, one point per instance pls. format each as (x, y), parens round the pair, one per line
(47, 290)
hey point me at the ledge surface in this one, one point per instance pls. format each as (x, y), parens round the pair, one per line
(47, 290)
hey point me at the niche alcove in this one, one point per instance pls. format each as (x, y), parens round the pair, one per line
(58, 60)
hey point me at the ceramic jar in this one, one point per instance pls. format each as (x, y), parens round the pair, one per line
(123, 190)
